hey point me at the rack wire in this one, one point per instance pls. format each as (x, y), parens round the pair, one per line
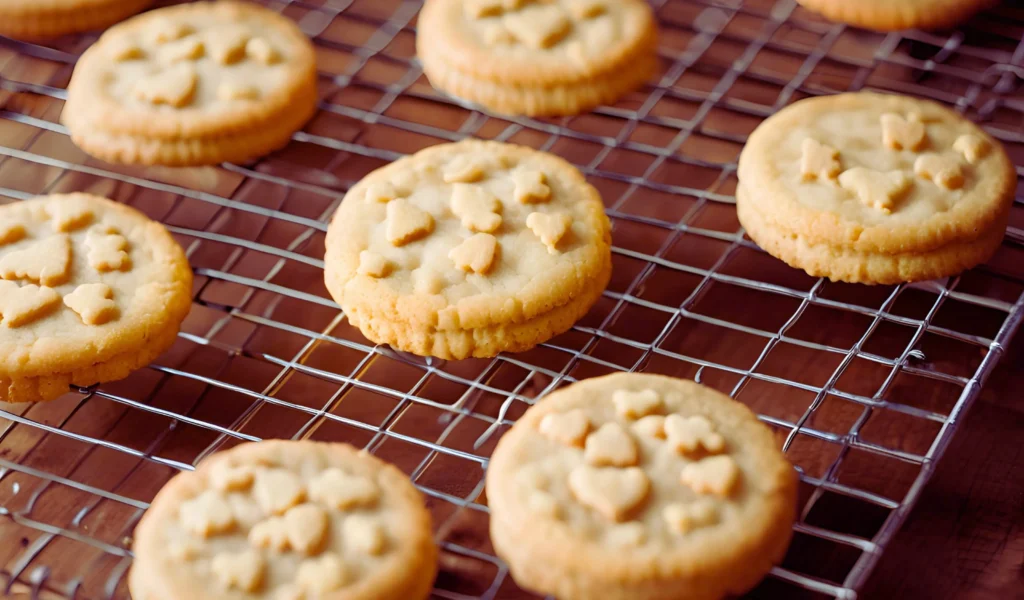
(864, 386)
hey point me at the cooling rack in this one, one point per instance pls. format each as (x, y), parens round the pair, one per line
(864, 386)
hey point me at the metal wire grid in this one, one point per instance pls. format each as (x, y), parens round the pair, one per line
(266, 353)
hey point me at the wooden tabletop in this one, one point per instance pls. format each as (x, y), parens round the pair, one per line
(965, 538)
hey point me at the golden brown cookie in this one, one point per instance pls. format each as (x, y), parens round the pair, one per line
(888, 15)
(193, 84)
(37, 19)
(639, 487)
(469, 249)
(528, 57)
(286, 521)
(90, 290)
(872, 188)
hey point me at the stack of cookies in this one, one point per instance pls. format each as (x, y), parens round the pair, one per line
(886, 15)
(620, 487)
(469, 249)
(90, 290)
(640, 486)
(623, 487)
(531, 57)
(872, 188)
(193, 84)
(40, 19)
(287, 521)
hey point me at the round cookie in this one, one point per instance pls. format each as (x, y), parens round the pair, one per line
(872, 188)
(559, 57)
(886, 15)
(469, 249)
(90, 290)
(639, 487)
(193, 84)
(38, 19)
(286, 521)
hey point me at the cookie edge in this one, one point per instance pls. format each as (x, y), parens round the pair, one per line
(417, 319)
(539, 561)
(962, 222)
(419, 573)
(61, 358)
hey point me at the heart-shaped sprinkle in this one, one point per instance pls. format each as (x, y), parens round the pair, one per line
(687, 434)
(818, 161)
(46, 262)
(682, 518)
(902, 134)
(651, 426)
(569, 428)
(530, 186)
(407, 222)
(714, 475)
(942, 169)
(338, 489)
(971, 146)
(243, 570)
(277, 490)
(611, 445)
(633, 405)
(549, 227)
(174, 86)
(614, 493)
(93, 303)
(207, 514)
(476, 253)
(476, 207)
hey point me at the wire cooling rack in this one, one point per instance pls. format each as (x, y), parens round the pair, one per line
(864, 386)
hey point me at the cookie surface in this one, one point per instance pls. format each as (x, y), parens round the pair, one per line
(90, 290)
(469, 249)
(537, 58)
(286, 520)
(193, 84)
(35, 19)
(872, 188)
(883, 15)
(639, 487)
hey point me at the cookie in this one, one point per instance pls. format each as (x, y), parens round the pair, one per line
(469, 249)
(872, 188)
(37, 19)
(193, 84)
(639, 487)
(286, 521)
(90, 290)
(559, 57)
(886, 15)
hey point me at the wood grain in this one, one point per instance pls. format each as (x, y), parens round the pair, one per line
(965, 538)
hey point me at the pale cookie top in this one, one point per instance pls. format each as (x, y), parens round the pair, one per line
(877, 172)
(191, 70)
(623, 468)
(284, 521)
(537, 41)
(468, 235)
(82, 280)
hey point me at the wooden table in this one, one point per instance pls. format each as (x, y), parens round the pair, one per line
(965, 538)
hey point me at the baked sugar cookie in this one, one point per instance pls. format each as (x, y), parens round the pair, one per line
(37, 19)
(886, 15)
(559, 57)
(90, 290)
(193, 84)
(469, 249)
(872, 188)
(639, 487)
(282, 521)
